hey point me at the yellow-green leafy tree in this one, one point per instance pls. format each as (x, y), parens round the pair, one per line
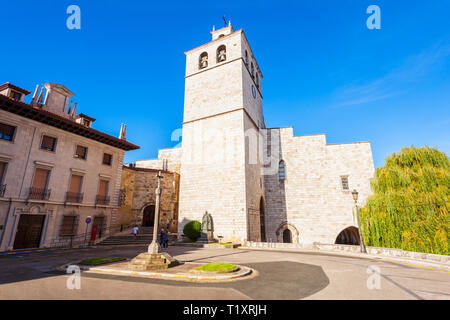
(410, 206)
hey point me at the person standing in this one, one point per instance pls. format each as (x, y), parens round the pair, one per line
(135, 231)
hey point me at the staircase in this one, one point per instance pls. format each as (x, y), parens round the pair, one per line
(144, 237)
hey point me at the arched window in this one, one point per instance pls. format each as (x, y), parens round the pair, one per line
(257, 81)
(221, 53)
(282, 170)
(252, 72)
(203, 60)
(246, 58)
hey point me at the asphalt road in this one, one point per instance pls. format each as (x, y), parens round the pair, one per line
(281, 275)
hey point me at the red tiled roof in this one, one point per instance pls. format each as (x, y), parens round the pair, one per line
(57, 121)
(16, 88)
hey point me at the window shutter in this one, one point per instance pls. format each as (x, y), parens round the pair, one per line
(81, 152)
(103, 188)
(48, 143)
(68, 226)
(2, 170)
(40, 178)
(107, 159)
(75, 184)
(6, 131)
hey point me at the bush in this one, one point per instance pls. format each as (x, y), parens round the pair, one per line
(193, 230)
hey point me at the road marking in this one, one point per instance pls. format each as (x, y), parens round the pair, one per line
(415, 265)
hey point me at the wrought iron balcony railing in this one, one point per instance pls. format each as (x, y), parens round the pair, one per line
(74, 197)
(2, 189)
(102, 200)
(39, 194)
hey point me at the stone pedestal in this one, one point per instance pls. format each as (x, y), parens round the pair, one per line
(206, 237)
(152, 261)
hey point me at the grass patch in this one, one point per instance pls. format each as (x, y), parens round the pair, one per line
(102, 260)
(216, 266)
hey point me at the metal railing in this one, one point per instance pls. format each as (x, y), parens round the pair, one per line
(101, 200)
(74, 197)
(84, 239)
(39, 194)
(2, 189)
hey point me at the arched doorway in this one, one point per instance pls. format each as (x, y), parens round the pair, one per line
(349, 235)
(148, 219)
(287, 236)
(262, 220)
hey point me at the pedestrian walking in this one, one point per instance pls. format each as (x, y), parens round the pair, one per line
(135, 231)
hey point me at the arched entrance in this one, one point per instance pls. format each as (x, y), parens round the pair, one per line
(287, 236)
(148, 218)
(262, 220)
(349, 235)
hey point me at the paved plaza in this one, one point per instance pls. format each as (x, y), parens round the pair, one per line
(280, 275)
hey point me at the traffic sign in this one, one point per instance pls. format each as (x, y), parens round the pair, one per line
(88, 220)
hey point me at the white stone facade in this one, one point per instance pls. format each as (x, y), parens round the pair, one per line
(229, 160)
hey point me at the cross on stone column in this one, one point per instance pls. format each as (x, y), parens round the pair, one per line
(154, 246)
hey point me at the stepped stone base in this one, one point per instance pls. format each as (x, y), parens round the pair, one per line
(150, 261)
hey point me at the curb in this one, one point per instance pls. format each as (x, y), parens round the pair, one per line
(6, 253)
(412, 262)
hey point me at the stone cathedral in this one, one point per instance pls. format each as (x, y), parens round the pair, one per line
(258, 183)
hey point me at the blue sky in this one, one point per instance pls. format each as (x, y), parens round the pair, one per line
(324, 70)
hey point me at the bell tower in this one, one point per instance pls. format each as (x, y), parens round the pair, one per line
(220, 172)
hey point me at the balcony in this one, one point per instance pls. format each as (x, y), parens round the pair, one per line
(2, 189)
(74, 197)
(101, 200)
(39, 194)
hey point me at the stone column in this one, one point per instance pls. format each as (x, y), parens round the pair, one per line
(154, 246)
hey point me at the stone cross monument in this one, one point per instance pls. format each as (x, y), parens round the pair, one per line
(153, 259)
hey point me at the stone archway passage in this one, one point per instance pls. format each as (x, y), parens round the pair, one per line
(349, 236)
(29, 231)
(149, 216)
(287, 236)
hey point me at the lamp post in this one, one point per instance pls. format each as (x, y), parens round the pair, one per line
(154, 246)
(361, 240)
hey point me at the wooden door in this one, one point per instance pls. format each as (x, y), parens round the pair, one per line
(99, 221)
(29, 231)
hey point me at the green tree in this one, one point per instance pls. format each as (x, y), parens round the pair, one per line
(410, 206)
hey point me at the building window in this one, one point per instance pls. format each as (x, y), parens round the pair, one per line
(282, 170)
(252, 71)
(74, 194)
(257, 81)
(7, 132)
(68, 226)
(38, 190)
(48, 143)
(203, 60)
(246, 58)
(86, 123)
(221, 53)
(81, 152)
(2, 177)
(107, 159)
(102, 196)
(15, 95)
(344, 181)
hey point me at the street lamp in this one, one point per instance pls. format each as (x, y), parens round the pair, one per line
(361, 240)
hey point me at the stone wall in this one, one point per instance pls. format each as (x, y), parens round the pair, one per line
(311, 201)
(139, 185)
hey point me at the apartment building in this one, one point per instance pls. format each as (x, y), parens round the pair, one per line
(55, 169)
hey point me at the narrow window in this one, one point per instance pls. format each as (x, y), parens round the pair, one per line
(221, 53)
(282, 170)
(102, 197)
(257, 81)
(107, 159)
(252, 72)
(344, 181)
(74, 193)
(2, 176)
(203, 60)
(81, 152)
(7, 132)
(38, 189)
(48, 143)
(68, 226)
(15, 95)
(246, 58)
